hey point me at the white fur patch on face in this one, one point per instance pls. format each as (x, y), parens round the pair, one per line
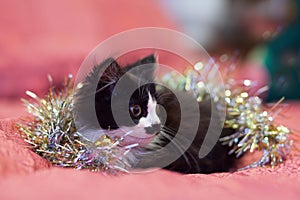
(151, 117)
(137, 134)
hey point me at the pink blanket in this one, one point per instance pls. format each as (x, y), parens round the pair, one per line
(42, 37)
(25, 175)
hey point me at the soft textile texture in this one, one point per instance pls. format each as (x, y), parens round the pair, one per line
(53, 37)
(24, 175)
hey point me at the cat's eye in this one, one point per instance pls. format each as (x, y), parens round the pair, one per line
(136, 110)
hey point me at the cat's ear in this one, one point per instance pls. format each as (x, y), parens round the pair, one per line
(148, 68)
(148, 60)
(150, 63)
(112, 70)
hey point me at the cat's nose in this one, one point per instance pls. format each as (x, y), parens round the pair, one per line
(155, 128)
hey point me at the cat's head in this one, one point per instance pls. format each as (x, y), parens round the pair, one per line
(139, 118)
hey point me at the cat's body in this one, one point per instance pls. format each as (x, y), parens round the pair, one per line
(156, 128)
(186, 146)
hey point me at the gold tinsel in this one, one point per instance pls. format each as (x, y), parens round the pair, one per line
(52, 132)
(245, 113)
(255, 129)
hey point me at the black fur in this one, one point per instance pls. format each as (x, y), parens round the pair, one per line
(107, 84)
(216, 161)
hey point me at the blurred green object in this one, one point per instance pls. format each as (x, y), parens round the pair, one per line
(283, 62)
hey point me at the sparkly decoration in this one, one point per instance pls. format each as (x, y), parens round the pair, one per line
(52, 133)
(245, 113)
(255, 129)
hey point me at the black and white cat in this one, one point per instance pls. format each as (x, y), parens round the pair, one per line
(153, 119)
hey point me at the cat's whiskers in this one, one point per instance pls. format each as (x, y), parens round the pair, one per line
(91, 93)
(105, 86)
(175, 144)
(170, 131)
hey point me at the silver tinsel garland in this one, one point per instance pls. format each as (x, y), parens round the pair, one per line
(52, 133)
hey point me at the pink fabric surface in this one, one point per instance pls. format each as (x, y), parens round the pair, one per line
(11, 108)
(53, 37)
(25, 175)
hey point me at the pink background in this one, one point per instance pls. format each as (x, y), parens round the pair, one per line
(53, 37)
